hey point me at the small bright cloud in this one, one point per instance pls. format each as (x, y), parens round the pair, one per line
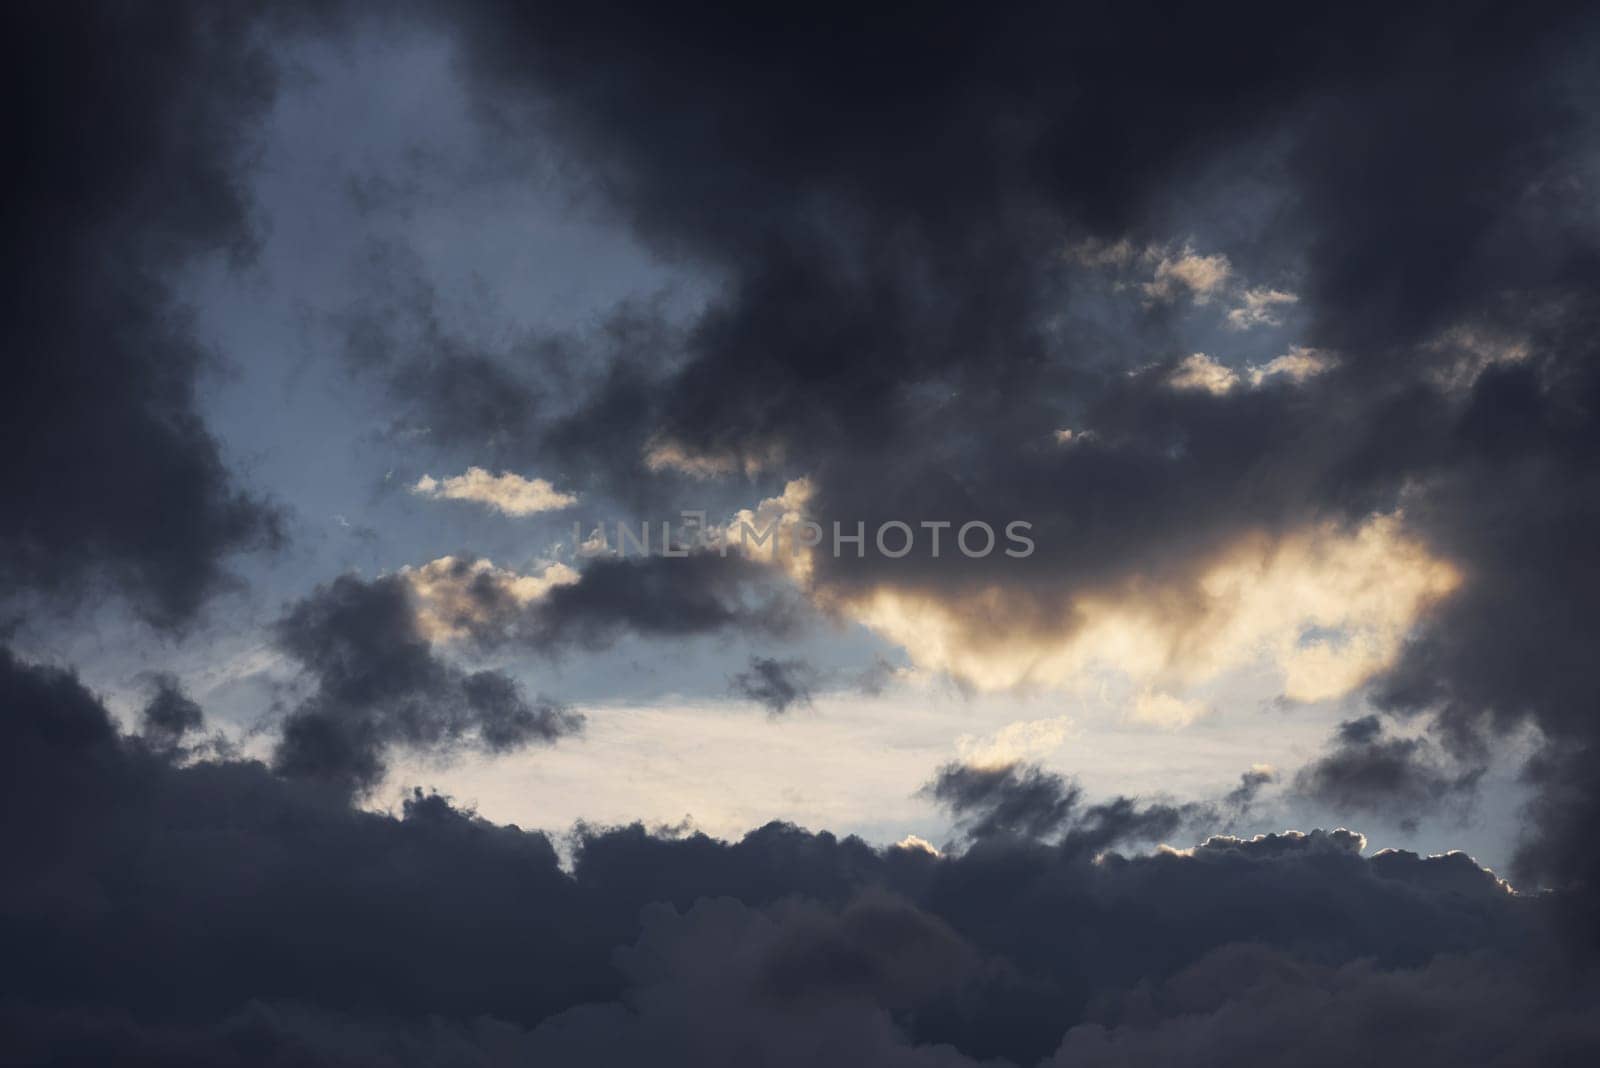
(1203, 374)
(918, 844)
(1259, 307)
(507, 492)
(1297, 365)
(1203, 277)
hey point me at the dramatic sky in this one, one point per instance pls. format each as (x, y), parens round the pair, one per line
(331, 732)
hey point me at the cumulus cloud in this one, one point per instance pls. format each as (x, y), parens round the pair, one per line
(1202, 373)
(508, 493)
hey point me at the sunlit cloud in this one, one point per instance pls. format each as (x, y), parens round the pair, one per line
(454, 596)
(1326, 607)
(1187, 272)
(1260, 307)
(508, 492)
(1202, 373)
(665, 454)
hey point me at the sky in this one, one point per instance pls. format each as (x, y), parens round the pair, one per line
(1215, 397)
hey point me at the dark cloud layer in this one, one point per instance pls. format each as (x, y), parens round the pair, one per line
(219, 913)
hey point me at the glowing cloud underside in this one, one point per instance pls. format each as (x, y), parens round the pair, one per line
(1328, 608)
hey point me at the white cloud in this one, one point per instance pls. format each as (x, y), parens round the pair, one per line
(1260, 308)
(1203, 277)
(1203, 374)
(508, 492)
(1297, 365)
(1200, 372)
(915, 842)
(450, 593)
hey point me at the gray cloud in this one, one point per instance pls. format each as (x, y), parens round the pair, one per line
(379, 685)
(776, 684)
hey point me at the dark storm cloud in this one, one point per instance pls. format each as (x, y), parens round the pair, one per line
(1370, 771)
(170, 715)
(1025, 801)
(1013, 799)
(655, 597)
(130, 127)
(777, 684)
(219, 913)
(379, 685)
(660, 596)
